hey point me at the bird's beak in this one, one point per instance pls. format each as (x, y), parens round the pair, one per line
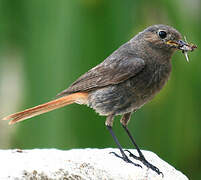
(181, 45)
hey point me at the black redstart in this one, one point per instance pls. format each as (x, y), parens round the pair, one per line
(125, 81)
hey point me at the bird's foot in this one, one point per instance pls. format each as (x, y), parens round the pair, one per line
(126, 159)
(145, 162)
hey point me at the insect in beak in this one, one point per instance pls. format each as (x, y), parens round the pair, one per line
(185, 47)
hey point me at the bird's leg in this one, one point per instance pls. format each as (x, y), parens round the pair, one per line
(141, 156)
(108, 123)
(124, 121)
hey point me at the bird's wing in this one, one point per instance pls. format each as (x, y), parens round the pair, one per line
(106, 73)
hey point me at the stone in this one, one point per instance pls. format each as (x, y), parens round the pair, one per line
(80, 164)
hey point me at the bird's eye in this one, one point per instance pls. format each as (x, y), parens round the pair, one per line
(162, 34)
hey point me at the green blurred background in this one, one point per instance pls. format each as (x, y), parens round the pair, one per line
(46, 45)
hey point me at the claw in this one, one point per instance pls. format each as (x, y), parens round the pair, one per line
(126, 159)
(145, 162)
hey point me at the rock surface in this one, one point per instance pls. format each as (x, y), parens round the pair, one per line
(79, 164)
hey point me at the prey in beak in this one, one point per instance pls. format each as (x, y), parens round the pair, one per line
(183, 46)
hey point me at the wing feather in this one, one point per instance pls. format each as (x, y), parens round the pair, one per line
(107, 73)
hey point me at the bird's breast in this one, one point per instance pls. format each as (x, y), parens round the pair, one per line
(150, 81)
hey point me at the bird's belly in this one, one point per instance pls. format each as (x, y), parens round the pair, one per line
(129, 95)
(115, 99)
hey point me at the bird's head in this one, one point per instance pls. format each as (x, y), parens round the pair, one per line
(166, 38)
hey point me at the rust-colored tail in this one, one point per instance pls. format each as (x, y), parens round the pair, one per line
(49, 106)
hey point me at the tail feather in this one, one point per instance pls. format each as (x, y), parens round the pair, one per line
(43, 108)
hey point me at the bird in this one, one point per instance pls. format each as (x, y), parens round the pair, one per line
(121, 84)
